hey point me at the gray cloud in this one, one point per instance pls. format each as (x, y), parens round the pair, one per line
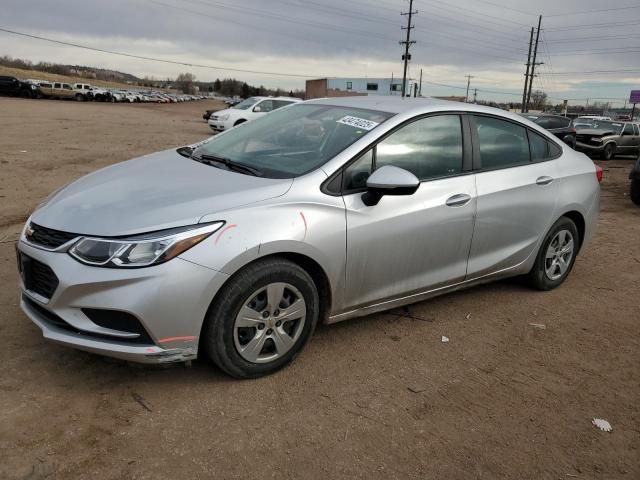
(329, 37)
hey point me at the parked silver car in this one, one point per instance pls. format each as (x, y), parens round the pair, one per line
(320, 211)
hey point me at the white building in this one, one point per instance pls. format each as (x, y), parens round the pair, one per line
(339, 87)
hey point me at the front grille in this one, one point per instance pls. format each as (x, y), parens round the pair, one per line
(55, 321)
(586, 139)
(48, 237)
(37, 277)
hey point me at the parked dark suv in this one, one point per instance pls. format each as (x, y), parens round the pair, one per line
(634, 176)
(560, 126)
(17, 88)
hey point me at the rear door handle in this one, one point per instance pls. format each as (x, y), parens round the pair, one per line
(544, 180)
(458, 200)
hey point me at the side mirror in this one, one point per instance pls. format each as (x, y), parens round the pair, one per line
(389, 180)
(257, 109)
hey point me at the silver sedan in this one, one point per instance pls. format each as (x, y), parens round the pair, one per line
(321, 211)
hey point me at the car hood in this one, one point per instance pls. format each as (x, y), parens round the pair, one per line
(231, 111)
(595, 132)
(157, 191)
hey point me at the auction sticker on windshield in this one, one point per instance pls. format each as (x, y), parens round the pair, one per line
(358, 122)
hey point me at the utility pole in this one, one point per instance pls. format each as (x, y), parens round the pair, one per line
(534, 64)
(391, 85)
(407, 43)
(420, 89)
(526, 75)
(468, 77)
(475, 94)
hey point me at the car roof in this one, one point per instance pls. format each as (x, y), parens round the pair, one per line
(412, 106)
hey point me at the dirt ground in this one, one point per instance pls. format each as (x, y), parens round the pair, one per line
(380, 397)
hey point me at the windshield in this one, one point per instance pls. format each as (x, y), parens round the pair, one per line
(605, 125)
(293, 140)
(243, 105)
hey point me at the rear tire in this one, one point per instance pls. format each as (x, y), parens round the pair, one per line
(635, 191)
(79, 97)
(261, 319)
(556, 256)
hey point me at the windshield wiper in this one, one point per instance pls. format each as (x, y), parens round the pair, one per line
(230, 164)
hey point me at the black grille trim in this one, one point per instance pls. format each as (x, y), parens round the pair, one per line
(37, 277)
(118, 320)
(48, 237)
(54, 320)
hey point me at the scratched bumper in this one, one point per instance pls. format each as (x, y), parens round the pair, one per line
(169, 300)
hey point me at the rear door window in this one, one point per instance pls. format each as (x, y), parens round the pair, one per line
(502, 143)
(539, 147)
(558, 122)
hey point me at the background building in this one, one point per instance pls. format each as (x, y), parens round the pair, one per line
(343, 87)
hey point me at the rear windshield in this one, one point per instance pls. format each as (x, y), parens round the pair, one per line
(293, 140)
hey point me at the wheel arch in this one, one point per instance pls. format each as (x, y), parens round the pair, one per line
(239, 121)
(578, 219)
(309, 264)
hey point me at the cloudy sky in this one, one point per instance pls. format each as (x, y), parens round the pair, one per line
(583, 41)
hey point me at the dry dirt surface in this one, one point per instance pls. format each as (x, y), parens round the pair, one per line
(380, 397)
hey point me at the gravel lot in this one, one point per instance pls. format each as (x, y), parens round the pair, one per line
(380, 397)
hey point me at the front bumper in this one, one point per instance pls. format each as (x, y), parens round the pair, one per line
(169, 300)
(216, 126)
(586, 148)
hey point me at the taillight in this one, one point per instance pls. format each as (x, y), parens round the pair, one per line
(599, 173)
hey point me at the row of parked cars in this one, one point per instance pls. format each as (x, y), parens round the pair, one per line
(599, 136)
(84, 92)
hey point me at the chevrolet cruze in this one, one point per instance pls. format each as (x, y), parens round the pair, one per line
(321, 211)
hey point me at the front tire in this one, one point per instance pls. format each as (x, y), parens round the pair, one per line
(556, 256)
(261, 319)
(609, 151)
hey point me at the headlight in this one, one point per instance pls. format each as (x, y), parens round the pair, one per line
(224, 116)
(141, 250)
(596, 139)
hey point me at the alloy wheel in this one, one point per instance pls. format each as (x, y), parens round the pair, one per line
(559, 255)
(269, 322)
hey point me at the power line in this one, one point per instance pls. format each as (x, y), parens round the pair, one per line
(152, 59)
(625, 52)
(585, 12)
(589, 72)
(505, 7)
(501, 22)
(582, 26)
(285, 18)
(596, 37)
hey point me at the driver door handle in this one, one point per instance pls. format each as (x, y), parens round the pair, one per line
(458, 200)
(544, 180)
